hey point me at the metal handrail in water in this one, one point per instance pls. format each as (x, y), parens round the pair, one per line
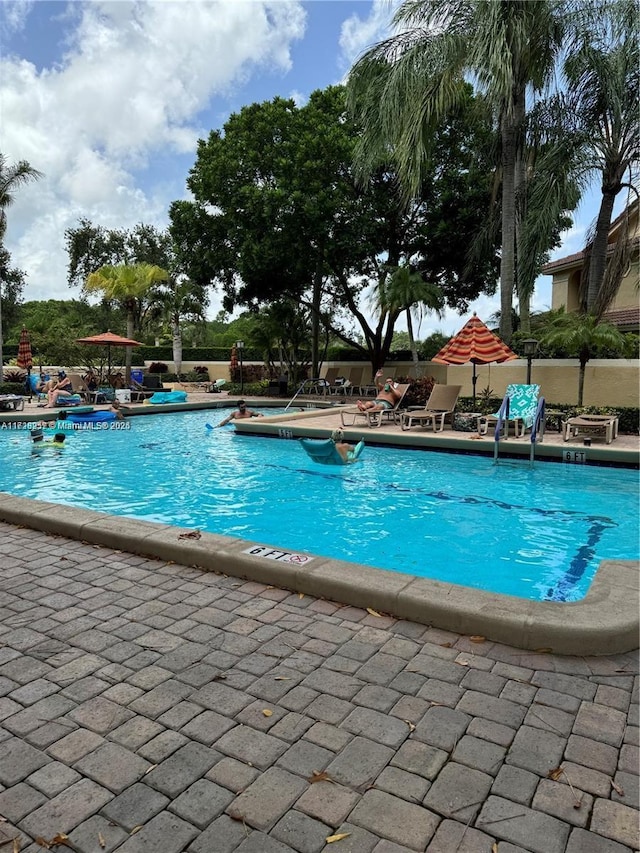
(312, 383)
(538, 425)
(503, 414)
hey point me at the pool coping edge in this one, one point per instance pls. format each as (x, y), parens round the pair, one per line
(606, 621)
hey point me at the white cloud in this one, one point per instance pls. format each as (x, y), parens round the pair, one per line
(358, 33)
(133, 86)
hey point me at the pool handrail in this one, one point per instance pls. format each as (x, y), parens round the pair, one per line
(538, 426)
(503, 415)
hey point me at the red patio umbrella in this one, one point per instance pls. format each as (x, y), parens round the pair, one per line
(25, 356)
(108, 340)
(474, 343)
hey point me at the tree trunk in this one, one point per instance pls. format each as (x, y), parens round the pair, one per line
(412, 344)
(315, 320)
(507, 259)
(127, 350)
(598, 259)
(583, 365)
(177, 346)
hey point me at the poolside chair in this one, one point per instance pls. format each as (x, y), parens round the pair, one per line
(373, 419)
(442, 402)
(354, 380)
(523, 402)
(326, 383)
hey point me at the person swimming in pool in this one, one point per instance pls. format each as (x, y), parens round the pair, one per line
(388, 396)
(239, 413)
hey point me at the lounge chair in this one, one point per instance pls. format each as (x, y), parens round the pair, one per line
(594, 426)
(373, 418)
(523, 402)
(442, 402)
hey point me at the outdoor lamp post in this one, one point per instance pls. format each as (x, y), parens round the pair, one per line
(240, 347)
(530, 347)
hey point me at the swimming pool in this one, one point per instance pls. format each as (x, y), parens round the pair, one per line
(536, 533)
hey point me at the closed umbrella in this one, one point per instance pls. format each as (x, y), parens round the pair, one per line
(25, 357)
(108, 340)
(474, 343)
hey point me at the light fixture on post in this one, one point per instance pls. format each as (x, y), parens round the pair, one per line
(240, 347)
(530, 348)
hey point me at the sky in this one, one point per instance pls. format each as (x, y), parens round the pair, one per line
(109, 99)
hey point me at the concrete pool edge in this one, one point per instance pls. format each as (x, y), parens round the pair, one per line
(606, 621)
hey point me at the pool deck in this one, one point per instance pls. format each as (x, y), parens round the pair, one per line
(148, 706)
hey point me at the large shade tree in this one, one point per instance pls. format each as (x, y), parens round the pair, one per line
(279, 214)
(12, 177)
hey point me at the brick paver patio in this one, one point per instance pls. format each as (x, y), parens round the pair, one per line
(147, 707)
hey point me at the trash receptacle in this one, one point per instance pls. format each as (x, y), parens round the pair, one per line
(283, 384)
(123, 395)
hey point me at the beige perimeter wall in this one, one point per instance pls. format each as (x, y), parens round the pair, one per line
(613, 382)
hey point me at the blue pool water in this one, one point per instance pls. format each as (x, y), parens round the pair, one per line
(535, 533)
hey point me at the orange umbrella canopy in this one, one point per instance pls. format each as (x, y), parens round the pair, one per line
(474, 343)
(25, 356)
(108, 340)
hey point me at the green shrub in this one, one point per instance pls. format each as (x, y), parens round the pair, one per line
(12, 387)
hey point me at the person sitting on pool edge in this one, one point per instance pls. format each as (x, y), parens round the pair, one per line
(344, 448)
(240, 412)
(388, 396)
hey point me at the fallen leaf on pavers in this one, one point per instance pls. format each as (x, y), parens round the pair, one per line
(617, 788)
(193, 534)
(42, 842)
(282, 678)
(462, 663)
(555, 774)
(301, 595)
(219, 677)
(478, 638)
(412, 727)
(373, 612)
(16, 845)
(317, 776)
(136, 829)
(543, 651)
(446, 645)
(331, 838)
(61, 839)
(149, 769)
(267, 713)
(494, 847)
(101, 840)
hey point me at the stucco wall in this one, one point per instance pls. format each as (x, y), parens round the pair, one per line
(608, 382)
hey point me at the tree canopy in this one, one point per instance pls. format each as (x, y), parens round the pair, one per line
(280, 213)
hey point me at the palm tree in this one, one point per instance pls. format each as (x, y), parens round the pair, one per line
(402, 88)
(128, 285)
(404, 290)
(173, 302)
(11, 177)
(603, 74)
(579, 336)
